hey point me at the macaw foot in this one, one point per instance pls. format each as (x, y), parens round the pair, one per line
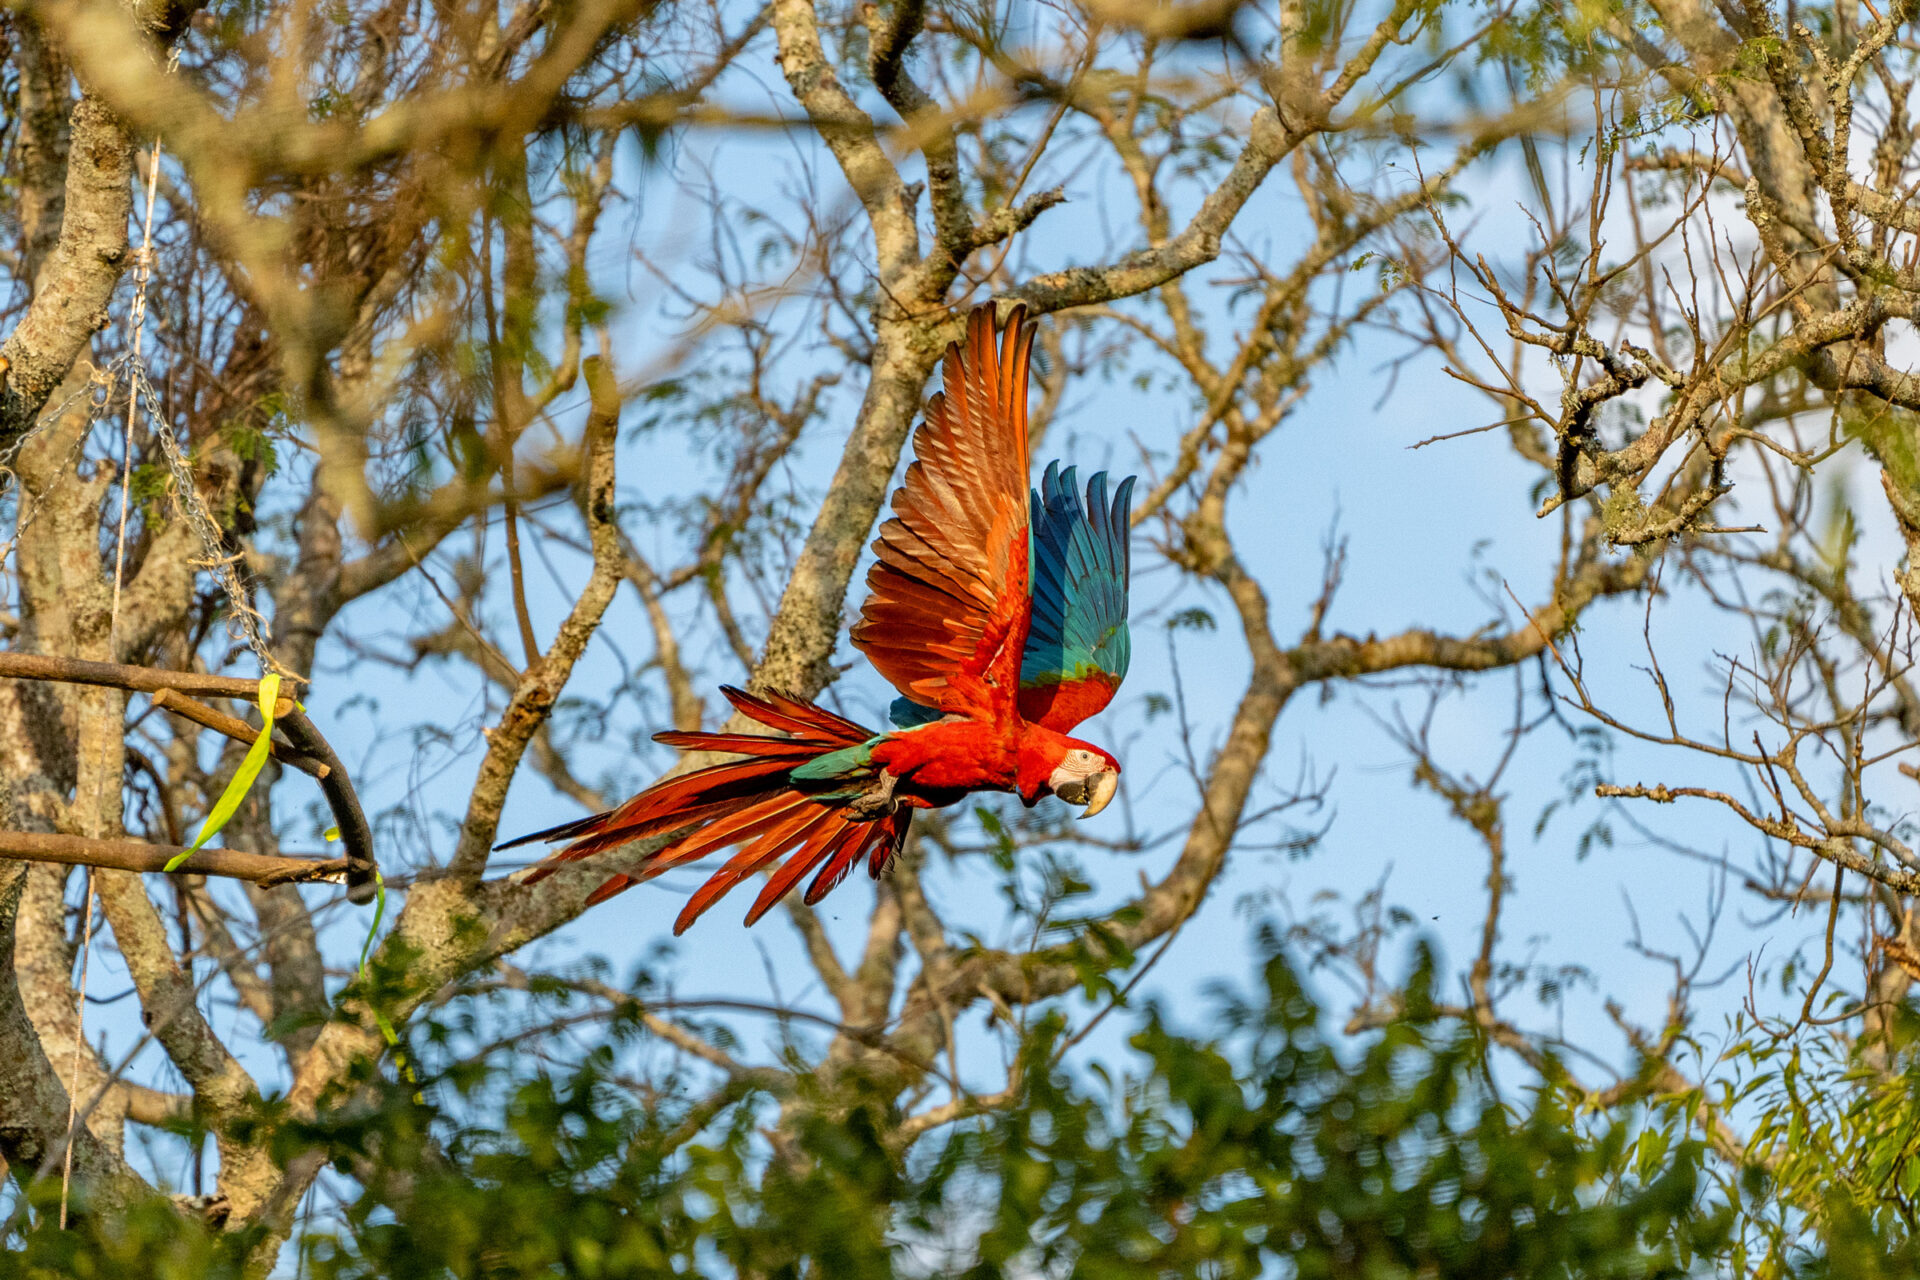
(877, 802)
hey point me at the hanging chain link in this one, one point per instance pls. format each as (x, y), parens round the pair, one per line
(244, 621)
(242, 618)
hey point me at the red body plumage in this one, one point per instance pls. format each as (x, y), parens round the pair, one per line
(959, 756)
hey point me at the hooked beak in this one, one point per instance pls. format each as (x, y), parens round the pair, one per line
(1100, 790)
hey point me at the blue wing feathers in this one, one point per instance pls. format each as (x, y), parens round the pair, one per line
(1081, 563)
(908, 714)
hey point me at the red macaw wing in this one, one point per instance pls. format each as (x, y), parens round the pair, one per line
(948, 603)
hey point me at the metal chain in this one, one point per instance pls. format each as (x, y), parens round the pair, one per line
(243, 620)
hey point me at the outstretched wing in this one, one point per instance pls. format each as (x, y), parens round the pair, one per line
(946, 615)
(1077, 646)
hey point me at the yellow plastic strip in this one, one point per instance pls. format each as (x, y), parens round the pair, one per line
(243, 777)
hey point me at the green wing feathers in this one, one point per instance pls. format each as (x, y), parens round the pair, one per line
(1078, 645)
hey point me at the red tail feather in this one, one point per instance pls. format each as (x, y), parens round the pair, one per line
(797, 865)
(693, 798)
(613, 885)
(750, 800)
(845, 853)
(844, 732)
(752, 821)
(801, 719)
(746, 744)
(801, 825)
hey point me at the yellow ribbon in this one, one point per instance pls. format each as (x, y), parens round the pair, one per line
(229, 802)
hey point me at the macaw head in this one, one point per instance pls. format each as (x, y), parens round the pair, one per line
(1078, 772)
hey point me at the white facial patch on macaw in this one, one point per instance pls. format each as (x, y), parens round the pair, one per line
(1082, 777)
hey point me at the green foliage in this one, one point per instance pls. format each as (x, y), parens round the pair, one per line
(1234, 1157)
(1838, 1129)
(1261, 1149)
(1194, 619)
(148, 1242)
(250, 444)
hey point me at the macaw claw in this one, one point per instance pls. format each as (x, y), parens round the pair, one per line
(878, 802)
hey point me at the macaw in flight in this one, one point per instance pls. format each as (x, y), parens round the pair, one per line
(999, 614)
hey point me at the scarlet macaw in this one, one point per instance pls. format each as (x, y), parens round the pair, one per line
(998, 613)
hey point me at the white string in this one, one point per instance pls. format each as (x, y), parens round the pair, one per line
(143, 273)
(143, 269)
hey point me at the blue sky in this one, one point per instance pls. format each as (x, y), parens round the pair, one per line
(1429, 532)
(1432, 536)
